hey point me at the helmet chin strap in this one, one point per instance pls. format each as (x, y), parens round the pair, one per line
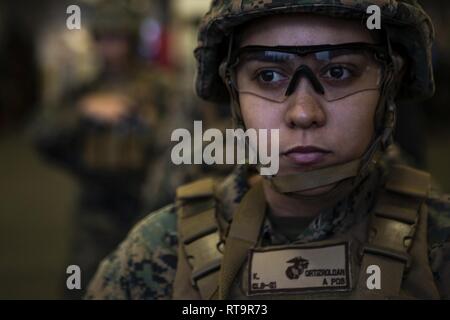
(314, 179)
(343, 177)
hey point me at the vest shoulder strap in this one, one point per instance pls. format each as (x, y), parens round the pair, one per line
(393, 224)
(409, 181)
(199, 235)
(197, 189)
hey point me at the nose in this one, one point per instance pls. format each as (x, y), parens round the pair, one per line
(304, 109)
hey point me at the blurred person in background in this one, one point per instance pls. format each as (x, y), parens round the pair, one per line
(106, 133)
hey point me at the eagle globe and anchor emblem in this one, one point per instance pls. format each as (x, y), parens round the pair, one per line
(299, 265)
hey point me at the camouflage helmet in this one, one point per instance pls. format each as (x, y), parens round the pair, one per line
(409, 28)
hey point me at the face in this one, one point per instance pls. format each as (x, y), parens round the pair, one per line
(314, 133)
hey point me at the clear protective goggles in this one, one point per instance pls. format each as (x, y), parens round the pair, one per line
(334, 71)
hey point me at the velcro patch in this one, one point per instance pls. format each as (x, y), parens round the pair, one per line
(299, 269)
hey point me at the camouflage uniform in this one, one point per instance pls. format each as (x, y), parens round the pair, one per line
(146, 264)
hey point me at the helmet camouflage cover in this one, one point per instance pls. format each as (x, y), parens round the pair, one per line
(409, 28)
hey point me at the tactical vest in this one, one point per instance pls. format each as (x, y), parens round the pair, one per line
(217, 260)
(109, 149)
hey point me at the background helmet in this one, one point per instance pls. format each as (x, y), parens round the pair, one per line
(114, 17)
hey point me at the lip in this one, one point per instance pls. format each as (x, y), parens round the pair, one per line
(306, 155)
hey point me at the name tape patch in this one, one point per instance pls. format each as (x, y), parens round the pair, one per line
(299, 269)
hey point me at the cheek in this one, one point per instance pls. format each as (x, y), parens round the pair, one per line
(260, 114)
(351, 124)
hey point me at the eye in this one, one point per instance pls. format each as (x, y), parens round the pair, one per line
(270, 76)
(337, 73)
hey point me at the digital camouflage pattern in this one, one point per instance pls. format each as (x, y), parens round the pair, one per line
(408, 26)
(144, 265)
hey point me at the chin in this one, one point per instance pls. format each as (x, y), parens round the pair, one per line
(288, 167)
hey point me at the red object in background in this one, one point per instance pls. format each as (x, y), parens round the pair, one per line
(154, 43)
(163, 57)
